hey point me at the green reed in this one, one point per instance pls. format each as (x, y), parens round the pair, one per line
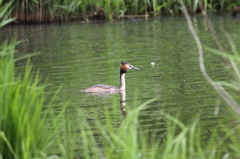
(22, 132)
(5, 11)
(103, 139)
(234, 67)
(64, 10)
(21, 105)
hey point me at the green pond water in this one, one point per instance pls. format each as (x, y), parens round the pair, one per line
(78, 55)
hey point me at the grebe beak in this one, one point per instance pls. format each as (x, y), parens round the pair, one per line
(132, 67)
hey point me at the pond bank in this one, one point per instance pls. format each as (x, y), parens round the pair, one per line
(24, 11)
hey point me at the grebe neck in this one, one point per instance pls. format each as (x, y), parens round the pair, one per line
(122, 81)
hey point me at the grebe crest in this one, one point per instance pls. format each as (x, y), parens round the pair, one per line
(112, 89)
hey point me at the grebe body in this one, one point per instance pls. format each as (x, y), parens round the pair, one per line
(107, 88)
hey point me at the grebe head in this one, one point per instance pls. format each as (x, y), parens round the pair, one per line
(126, 66)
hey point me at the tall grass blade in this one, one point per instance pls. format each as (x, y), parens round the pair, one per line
(4, 138)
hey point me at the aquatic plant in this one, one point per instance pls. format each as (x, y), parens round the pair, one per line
(22, 131)
(234, 67)
(38, 11)
(5, 11)
(21, 106)
(103, 139)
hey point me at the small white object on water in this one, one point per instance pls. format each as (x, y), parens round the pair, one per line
(153, 63)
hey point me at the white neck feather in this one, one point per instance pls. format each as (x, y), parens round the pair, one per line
(122, 82)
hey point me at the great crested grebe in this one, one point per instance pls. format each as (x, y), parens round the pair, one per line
(107, 88)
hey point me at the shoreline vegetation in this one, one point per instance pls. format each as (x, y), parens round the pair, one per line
(47, 11)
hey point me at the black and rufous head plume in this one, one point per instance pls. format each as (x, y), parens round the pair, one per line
(125, 66)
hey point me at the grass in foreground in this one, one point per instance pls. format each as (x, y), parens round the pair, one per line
(130, 140)
(21, 101)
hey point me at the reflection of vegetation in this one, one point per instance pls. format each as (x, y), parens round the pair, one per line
(59, 10)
